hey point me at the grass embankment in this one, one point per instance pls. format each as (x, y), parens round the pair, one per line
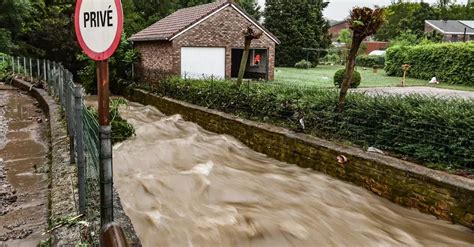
(322, 76)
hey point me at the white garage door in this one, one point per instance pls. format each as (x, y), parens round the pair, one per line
(202, 62)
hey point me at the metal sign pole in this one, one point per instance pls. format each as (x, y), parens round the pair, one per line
(99, 40)
(105, 142)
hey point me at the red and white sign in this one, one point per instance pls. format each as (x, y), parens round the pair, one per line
(99, 25)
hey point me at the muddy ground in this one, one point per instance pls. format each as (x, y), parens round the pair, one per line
(23, 169)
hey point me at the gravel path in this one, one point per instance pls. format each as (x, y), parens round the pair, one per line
(430, 91)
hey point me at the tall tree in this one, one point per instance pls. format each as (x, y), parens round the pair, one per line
(404, 17)
(298, 24)
(252, 8)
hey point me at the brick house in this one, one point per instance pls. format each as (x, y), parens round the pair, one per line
(452, 30)
(204, 41)
(336, 28)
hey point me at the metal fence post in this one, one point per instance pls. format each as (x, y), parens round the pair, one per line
(24, 66)
(81, 160)
(106, 188)
(69, 87)
(31, 71)
(44, 70)
(38, 69)
(13, 65)
(48, 77)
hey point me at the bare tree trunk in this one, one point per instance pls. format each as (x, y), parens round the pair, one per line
(243, 62)
(350, 65)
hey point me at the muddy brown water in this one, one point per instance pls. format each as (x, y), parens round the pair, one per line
(23, 166)
(184, 186)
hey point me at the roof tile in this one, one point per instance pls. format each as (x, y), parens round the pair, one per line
(171, 25)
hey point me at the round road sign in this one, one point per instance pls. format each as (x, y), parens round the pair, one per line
(99, 25)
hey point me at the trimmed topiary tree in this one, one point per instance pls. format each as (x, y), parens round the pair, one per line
(339, 78)
(363, 23)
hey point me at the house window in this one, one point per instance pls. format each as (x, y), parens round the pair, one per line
(471, 37)
(256, 57)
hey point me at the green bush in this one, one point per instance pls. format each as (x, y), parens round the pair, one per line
(423, 129)
(120, 72)
(303, 64)
(121, 129)
(370, 61)
(339, 77)
(3, 67)
(451, 63)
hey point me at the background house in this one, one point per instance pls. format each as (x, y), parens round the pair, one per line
(336, 28)
(204, 41)
(369, 43)
(452, 30)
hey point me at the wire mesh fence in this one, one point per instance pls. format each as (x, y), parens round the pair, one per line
(82, 127)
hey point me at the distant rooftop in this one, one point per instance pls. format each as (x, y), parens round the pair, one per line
(456, 27)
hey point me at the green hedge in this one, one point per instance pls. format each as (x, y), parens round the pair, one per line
(450, 62)
(370, 61)
(423, 129)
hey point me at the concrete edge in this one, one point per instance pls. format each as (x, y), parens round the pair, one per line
(62, 204)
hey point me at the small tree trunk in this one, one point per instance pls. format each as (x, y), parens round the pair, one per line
(243, 62)
(350, 65)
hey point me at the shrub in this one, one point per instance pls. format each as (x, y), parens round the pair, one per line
(303, 64)
(370, 61)
(449, 62)
(121, 129)
(424, 129)
(120, 66)
(339, 77)
(3, 69)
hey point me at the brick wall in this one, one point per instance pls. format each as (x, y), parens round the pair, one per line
(376, 45)
(446, 196)
(223, 29)
(156, 59)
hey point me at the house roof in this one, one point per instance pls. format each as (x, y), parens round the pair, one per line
(182, 20)
(455, 27)
(339, 23)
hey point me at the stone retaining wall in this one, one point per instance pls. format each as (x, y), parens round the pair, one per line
(446, 196)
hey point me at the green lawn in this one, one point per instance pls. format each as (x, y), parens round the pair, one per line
(322, 76)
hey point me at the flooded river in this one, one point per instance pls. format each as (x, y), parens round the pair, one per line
(23, 167)
(183, 186)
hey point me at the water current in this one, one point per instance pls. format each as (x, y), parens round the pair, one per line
(184, 186)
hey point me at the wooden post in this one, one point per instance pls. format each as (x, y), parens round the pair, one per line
(249, 35)
(405, 68)
(243, 62)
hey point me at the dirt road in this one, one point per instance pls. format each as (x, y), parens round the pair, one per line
(429, 91)
(23, 167)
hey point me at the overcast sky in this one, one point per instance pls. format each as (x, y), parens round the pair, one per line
(339, 9)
